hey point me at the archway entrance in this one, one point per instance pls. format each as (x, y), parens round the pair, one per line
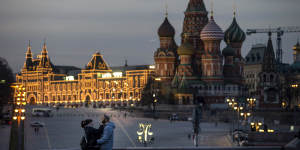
(32, 101)
(87, 100)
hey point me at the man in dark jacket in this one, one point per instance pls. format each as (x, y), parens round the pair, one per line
(91, 134)
(107, 139)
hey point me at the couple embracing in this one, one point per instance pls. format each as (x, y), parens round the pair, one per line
(97, 139)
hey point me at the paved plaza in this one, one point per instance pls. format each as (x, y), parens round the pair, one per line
(63, 131)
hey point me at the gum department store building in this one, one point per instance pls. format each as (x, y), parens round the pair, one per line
(195, 70)
(46, 83)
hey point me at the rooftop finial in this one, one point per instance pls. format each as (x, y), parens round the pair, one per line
(126, 63)
(29, 43)
(45, 41)
(211, 9)
(234, 8)
(166, 10)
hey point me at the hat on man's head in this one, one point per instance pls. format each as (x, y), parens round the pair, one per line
(86, 122)
(106, 117)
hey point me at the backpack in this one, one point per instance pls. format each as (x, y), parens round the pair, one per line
(83, 143)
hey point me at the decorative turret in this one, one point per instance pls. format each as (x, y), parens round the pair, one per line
(165, 57)
(186, 49)
(97, 63)
(185, 52)
(45, 63)
(166, 29)
(228, 51)
(269, 61)
(194, 21)
(212, 31)
(229, 70)
(212, 60)
(236, 36)
(234, 33)
(28, 64)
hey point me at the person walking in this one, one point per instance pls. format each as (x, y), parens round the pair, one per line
(107, 140)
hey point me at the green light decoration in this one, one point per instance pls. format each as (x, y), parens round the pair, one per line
(145, 134)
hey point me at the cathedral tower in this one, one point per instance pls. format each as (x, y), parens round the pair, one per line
(185, 52)
(212, 60)
(229, 67)
(235, 36)
(194, 21)
(269, 79)
(165, 57)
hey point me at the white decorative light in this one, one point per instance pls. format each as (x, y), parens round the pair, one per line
(118, 74)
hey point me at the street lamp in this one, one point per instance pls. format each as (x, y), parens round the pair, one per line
(245, 115)
(251, 102)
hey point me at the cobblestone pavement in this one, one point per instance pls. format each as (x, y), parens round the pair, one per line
(63, 131)
(4, 137)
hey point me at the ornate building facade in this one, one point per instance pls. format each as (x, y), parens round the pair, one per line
(99, 84)
(200, 70)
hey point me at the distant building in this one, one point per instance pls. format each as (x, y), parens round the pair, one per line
(253, 66)
(197, 70)
(292, 81)
(97, 83)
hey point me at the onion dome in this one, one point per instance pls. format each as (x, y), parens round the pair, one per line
(166, 29)
(234, 33)
(212, 31)
(228, 51)
(297, 47)
(186, 49)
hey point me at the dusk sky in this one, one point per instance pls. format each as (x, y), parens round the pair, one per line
(75, 29)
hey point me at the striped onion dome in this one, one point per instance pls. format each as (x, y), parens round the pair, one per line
(212, 31)
(234, 33)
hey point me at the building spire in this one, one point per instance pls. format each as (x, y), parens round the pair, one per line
(211, 9)
(166, 13)
(234, 9)
(44, 44)
(28, 47)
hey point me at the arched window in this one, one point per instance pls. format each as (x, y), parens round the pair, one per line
(271, 78)
(264, 78)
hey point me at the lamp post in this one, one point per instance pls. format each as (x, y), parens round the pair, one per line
(238, 108)
(19, 112)
(231, 103)
(252, 102)
(295, 90)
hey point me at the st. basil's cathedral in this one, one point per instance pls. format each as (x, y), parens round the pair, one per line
(198, 70)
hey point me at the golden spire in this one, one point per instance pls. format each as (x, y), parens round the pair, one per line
(44, 46)
(29, 47)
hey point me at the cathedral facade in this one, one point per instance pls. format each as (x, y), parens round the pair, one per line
(96, 84)
(197, 69)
